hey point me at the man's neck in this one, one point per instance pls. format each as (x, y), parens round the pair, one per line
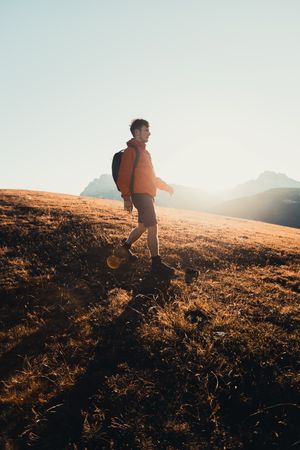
(140, 143)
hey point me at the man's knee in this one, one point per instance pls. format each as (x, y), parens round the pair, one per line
(141, 227)
(152, 229)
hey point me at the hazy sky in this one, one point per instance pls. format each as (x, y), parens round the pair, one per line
(218, 80)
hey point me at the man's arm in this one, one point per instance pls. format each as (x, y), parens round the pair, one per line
(160, 184)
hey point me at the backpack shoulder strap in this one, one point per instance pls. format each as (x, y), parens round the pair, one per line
(137, 157)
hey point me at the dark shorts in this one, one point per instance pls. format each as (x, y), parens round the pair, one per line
(144, 203)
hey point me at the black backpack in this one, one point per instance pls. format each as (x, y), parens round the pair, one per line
(116, 163)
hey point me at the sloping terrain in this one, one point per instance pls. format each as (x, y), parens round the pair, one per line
(101, 359)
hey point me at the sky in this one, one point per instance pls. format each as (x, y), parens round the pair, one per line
(217, 80)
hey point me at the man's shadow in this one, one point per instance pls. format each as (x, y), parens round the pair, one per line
(63, 421)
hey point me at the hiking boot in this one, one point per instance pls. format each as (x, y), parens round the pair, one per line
(160, 268)
(125, 252)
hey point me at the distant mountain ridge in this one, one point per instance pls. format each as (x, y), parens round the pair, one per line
(102, 187)
(277, 206)
(265, 181)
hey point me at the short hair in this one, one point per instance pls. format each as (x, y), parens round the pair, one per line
(137, 124)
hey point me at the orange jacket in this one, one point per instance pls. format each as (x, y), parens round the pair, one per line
(145, 181)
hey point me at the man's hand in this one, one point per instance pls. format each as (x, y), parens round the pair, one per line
(170, 190)
(128, 206)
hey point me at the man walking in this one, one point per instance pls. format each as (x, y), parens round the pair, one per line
(136, 161)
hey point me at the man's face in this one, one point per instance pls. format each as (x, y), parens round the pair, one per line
(143, 134)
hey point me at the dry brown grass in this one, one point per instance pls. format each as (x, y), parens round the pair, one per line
(99, 359)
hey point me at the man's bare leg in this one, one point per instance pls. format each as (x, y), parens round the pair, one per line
(152, 240)
(157, 266)
(135, 234)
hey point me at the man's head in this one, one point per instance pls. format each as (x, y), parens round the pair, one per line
(140, 130)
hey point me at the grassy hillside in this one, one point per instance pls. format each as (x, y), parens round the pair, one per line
(100, 359)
